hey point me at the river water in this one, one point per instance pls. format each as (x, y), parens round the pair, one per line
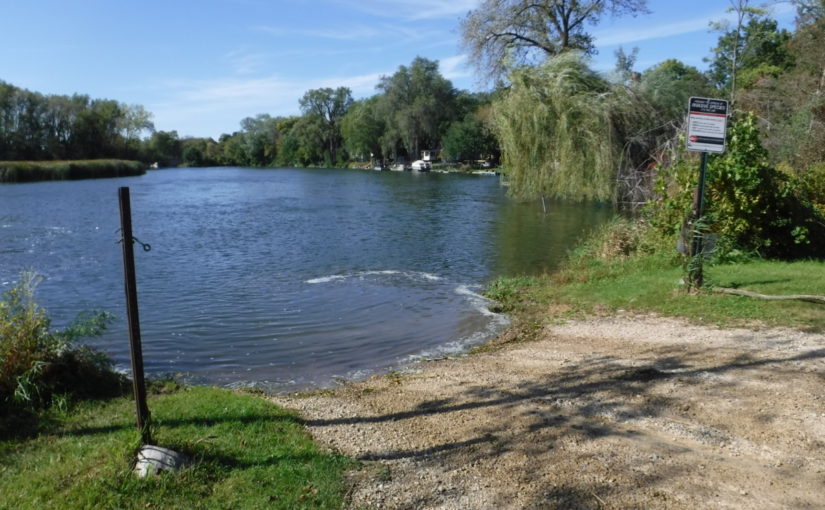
(284, 279)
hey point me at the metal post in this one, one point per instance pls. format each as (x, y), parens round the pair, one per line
(130, 285)
(697, 276)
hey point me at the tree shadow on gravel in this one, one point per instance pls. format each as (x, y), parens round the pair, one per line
(579, 380)
(599, 397)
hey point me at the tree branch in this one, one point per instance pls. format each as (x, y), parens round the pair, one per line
(518, 37)
(799, 297)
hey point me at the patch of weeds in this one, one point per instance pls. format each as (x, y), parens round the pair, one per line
(508, 292)
(321, 392)
(163, 386)
(252, 390)
(394, 376)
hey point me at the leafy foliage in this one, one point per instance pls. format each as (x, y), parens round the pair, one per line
(468, 139)
(326, 107)
(565, 131)
(745, 53)
(669, 85)
(361, 129)
(792, 103)
(38, 366)
(753, 207)
(37, 127)
(416, 104)
(809, 185)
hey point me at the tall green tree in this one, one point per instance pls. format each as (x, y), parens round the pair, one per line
(164, 147)
(302, 142)
(328, 107)
(469, 139)
(499, 33)
(362, 128)
(417, 103)
(751, 47)
(669, 85)
(260, 139)
(792, 103)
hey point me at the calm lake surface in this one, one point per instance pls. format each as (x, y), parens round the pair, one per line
(284, 279)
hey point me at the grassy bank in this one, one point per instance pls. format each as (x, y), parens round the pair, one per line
(247, 453)
(68, 437)
(30, 171)
(653, 283)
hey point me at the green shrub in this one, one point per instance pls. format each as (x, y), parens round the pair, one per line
(751, 206)
(810, 186)
(40, 367)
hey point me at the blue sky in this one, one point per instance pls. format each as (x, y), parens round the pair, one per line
(202, 66)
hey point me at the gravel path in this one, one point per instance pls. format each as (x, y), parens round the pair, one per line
(620, 412)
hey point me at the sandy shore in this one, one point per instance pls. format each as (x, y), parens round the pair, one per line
(621, 412)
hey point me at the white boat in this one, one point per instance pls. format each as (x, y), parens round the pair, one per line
(420, 165)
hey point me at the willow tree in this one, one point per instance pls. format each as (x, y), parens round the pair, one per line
(568, 133)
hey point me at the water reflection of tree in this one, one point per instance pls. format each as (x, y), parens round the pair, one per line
(529, 241)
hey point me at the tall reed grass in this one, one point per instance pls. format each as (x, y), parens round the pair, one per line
(30, 171)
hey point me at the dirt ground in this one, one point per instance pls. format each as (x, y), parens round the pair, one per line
(619, 412)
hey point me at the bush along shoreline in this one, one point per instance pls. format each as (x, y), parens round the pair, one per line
(32, 171)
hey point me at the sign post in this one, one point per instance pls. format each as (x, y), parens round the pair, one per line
(706, 130)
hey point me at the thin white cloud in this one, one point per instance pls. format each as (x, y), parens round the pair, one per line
(413, 9)
(455, 67)
(614, 37)
(352, 33)
(781, 9)
(246, 62)
(361, 85)
(191, 104)
(387, 33)
(635, 34)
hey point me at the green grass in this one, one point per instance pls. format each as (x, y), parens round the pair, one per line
(247, 453)
(30, 171)
(651, 283)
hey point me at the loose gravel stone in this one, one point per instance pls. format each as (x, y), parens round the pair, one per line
(616, 412)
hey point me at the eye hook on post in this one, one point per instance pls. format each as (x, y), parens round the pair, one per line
(145, 246)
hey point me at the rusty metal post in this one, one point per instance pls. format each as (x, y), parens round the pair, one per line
(130, 284)
(697, 276)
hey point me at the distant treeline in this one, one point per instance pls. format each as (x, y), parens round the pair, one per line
(37, 127)
(29, 171)
(414, 109)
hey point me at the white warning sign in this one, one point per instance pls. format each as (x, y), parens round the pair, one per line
(707, 124)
